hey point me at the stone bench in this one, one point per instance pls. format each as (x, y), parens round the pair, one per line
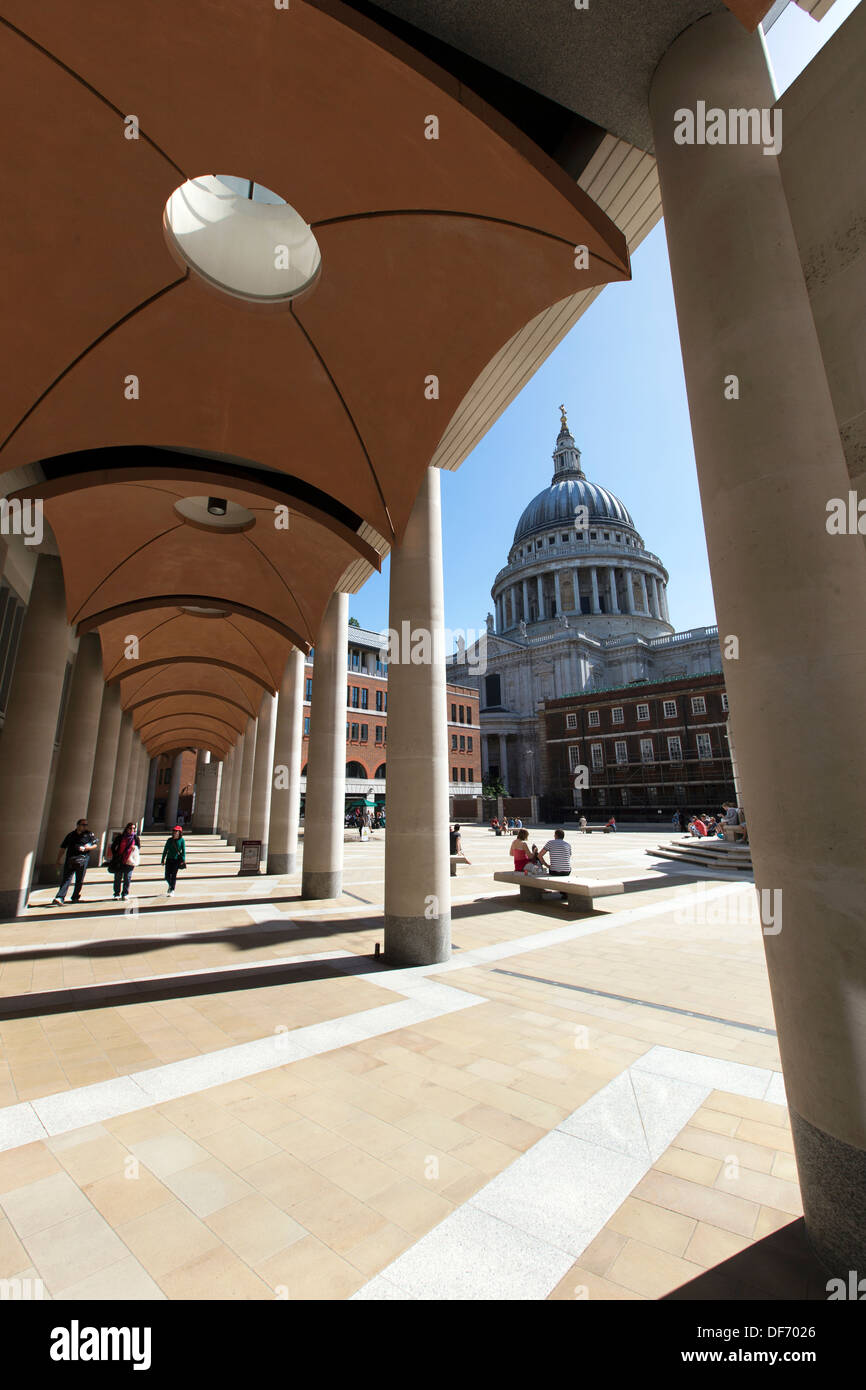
(455, 860)
(533, 887)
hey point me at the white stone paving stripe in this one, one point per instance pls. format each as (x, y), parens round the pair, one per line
(519, 1235)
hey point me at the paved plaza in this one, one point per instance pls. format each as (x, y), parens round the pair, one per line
(226, 1095)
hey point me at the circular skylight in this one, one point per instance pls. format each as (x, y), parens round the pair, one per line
(242, 238)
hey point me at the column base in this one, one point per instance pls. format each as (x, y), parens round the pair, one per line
(282, 863)
(325, 884)
(12, 902)
(417, 940)
(833, 1187)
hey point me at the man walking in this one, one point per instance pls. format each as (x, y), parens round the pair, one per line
(77, 846)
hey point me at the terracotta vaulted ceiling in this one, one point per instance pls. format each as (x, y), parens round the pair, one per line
(434, 253)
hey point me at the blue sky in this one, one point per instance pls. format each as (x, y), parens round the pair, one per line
(620, 375)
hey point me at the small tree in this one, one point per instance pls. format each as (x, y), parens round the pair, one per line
(353, 622)
(492, 788)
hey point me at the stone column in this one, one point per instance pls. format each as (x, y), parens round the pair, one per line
(417, 866)
(286, 794)
(236, 789)
(525, 584)
(629, 590)
(173, 791)
(576, 581)
(557, 592)
(743, 308)
(611, 588)
(643, 590)
(104, 763)
(593, 577)
(245, 795)
(151, 790)
(77, 751)
(664, 598)
(27, 746)
(117, 816)
(225, 794)
(135, 793)
(263, 771)
(503, 760)
(325, 806)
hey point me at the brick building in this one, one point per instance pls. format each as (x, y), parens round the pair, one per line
(645, 749)
(367, 721)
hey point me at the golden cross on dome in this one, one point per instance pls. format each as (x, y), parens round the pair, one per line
(564, 417)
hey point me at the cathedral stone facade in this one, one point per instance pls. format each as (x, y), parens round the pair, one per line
(580, 606)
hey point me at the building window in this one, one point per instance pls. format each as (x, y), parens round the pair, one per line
(462, 744)
(492, 691)
(469, 744)
(308, 688)
(670, 709)
(462, 713)
(463, 774)
(646, 750)
(454, 742)
(623, 795)
(596, 753)
(574, 757)
(620, 748)
(705, 747)
(643, 711)
(378, 702)
(601, 793)
(306, 726)
(378, 733)
(453, 714)
(699, 704)
(470, 776)
(354, 733)
(355, 695)
(356, 660)
(594, 718)
(724, 704)
(453, 774)
(653, 793)
(386, 702)
(616, 715)
(365, 697)
(675, 749)
(571, 721)
(364, 732)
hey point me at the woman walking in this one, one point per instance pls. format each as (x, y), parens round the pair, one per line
(173, 857)
(125, 854)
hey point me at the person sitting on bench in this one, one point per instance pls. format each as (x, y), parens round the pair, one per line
(521, 853)
(455, 841)
(558, 860)
(558, 851)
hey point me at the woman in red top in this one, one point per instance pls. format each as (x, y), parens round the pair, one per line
(520, 851)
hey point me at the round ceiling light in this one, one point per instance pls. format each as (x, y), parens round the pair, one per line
(242, 238)
(199, 511)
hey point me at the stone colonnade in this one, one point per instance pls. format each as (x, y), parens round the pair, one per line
(608, 587)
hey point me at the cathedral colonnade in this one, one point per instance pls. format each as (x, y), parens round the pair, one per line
(743, 307)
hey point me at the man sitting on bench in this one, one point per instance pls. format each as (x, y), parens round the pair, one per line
(558, 862)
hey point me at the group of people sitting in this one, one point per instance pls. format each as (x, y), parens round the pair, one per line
(729, 825)
(502, 827)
